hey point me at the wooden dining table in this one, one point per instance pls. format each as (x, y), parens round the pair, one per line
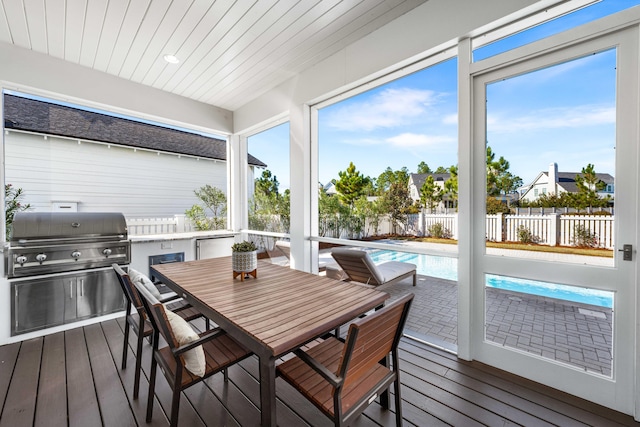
(278, 311)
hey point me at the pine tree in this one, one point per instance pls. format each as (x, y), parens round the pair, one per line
(430, 194)
(351, 185)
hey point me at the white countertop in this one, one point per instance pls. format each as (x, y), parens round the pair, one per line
(214, 234)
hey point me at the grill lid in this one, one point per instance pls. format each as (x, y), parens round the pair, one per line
(31, 227)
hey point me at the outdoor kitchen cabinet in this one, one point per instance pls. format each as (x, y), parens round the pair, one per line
(45, 302)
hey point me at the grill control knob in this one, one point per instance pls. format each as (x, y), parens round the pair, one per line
(76, 254)
(107, 252)
(21, 259)
(41, 257)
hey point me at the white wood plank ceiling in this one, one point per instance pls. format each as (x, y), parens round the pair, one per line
(229, 51)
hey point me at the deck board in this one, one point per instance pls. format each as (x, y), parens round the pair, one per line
(109, 389)
(84, 410)
(114, 335)
(8, 356)
(51, 409)
(20, 404)
(80, 369)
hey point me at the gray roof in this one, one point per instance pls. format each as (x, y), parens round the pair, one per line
(54, 119)
(419, 178)
(567, 180)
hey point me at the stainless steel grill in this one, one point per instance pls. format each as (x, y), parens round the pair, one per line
(54, 242)
(59, 267)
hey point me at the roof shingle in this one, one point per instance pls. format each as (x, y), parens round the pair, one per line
(60, 120)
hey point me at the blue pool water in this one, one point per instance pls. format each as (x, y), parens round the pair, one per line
(447, 268)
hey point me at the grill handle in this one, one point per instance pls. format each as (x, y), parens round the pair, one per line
(72, 239)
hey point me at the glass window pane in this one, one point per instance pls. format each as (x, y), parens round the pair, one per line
(269, 189)
(269, 194)
(551, 137)
(388, 174)
(90, 160)
(568, 324)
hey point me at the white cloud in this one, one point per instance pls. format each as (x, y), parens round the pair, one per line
(363, 141)
(386, 109)
(451, 119)
(412, 140)
(405, 140)
(552, 118)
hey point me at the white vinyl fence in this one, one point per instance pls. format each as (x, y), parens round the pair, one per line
(540, 229)
(144, 226)
(601, 227)
(550, 229)
(448, 223)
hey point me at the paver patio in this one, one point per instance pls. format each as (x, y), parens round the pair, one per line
(574, 333)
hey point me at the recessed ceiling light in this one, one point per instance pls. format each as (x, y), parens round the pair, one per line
(171, 59)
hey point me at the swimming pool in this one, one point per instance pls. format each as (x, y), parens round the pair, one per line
(447, 268)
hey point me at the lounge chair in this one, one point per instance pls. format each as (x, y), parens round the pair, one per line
(359, 267)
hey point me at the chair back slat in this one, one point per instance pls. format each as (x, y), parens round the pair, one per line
(358, 265)
(129, 289)
(156, 315)
(372, 338)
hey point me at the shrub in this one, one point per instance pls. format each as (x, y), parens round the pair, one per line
(584, 237)
(495, 206)
(526, 236)
(12, 205)
(212, 200)
(439, 231)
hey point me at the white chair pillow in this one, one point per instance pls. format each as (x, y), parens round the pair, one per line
(137, 277)
(194, 359)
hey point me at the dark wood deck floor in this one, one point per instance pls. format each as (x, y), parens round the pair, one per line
(74, 378)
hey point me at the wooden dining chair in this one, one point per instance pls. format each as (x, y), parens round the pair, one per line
(343, 378)
(137, 320)
(189, 357)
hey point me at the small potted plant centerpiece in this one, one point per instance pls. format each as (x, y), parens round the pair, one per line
(244, 259)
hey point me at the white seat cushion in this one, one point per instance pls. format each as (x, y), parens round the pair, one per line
(194, 359)
(392, 269)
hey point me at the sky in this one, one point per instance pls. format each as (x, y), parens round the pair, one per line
(564, 114)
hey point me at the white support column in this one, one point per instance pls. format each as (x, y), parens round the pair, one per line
(465, 203)
(237, 173)
(300, 155)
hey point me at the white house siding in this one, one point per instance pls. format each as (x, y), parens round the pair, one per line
(104, 178)
(538, 189)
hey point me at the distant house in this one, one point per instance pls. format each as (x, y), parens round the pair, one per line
(330, 188)
(66, 158)
(554, 182)
(417, 180)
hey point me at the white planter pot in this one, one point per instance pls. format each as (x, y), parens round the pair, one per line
(244, 262)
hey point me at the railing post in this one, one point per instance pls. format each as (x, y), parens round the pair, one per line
(500, 227)
(554, 229)
(455, 226)
(179, 226)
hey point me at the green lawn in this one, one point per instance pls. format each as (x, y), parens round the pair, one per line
(607, 253)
